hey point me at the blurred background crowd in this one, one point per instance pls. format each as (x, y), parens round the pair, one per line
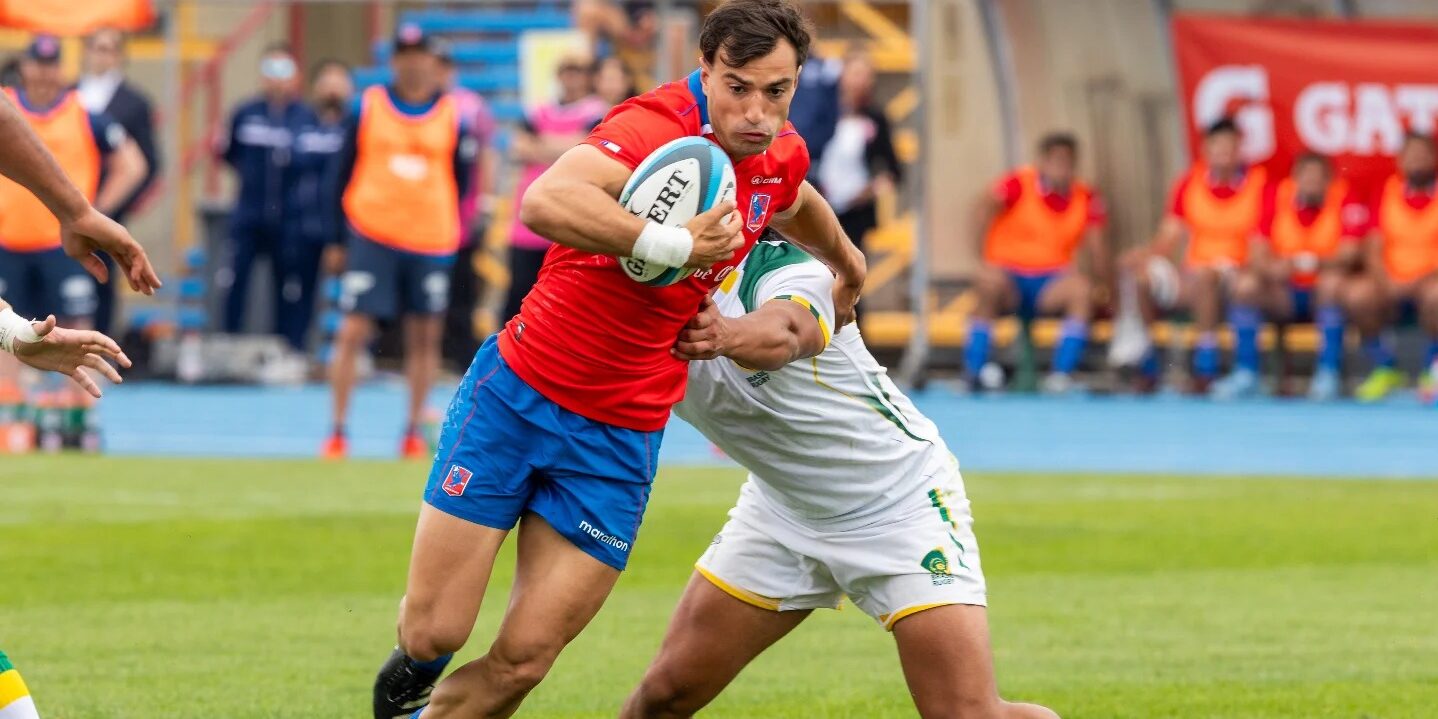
(1153, 218)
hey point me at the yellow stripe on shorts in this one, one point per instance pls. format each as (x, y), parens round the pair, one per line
(742, 595)
(12, 687)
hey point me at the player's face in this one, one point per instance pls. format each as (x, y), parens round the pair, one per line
(1220, 152)
(748, 105)
(1057, 167)
(1311, 179)
(1416, 162)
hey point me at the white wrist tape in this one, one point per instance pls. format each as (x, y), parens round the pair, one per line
(14, 328)
(663, 245)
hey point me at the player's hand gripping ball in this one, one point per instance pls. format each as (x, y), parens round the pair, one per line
(674, 184)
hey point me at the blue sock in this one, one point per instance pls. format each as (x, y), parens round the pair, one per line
(434, 665)
(1330, 327)
(416, 714)
(1432, 355)
(977, 353)
(1245, 320)
(1071, 344)
(1379, 351)
(1151, 366)
(1205, 356)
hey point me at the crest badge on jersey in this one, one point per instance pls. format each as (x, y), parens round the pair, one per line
(457, 479)
(758, 211)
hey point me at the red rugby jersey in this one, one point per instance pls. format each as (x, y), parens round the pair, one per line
(597, 343)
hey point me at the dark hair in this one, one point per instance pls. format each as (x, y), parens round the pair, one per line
(1055, 140)
(277, 48)
(328, 63)
(747, 30)
(1222, 126)
(1314, 158)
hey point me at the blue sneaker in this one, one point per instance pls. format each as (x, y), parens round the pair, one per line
(1325, 386)
(1239, 384)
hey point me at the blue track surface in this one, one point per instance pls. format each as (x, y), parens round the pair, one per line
(991, 433)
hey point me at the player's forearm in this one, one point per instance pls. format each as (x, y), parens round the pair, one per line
(1165, 241)
(578, 214)
(766, 343)
(816, 228)
(124, 172)
(27, 162)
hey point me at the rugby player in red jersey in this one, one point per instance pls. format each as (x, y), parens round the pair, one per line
(557, 424)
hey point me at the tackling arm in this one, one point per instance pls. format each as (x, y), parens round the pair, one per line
(779, 332)
(811, 223)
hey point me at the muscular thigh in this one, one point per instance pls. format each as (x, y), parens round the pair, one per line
(558, 588)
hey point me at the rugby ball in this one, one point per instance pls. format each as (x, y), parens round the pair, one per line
(676, 182)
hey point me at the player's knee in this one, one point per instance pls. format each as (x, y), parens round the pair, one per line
(521, 668)
(424, 636)
(665, 693)
(1248, 289)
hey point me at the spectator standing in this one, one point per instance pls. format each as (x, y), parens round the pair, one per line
(860, 163)
(35, 274)
(260, 147)
(103, 89)
(407, 158)
(548, 132)
(308, 228)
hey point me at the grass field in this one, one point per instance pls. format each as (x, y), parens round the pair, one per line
(237, 589)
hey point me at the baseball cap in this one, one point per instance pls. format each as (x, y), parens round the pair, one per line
(409, 36)
(44, 48)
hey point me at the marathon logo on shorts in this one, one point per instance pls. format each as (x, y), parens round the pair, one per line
(457, 479)
(758, 211)
(601, 537)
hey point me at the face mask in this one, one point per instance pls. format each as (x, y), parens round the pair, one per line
(277, 68)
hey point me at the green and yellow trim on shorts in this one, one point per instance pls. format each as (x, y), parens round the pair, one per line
(743, 595)
(889, 620)
(12, 687)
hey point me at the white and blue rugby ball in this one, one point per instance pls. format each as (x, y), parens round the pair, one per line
(676, 182)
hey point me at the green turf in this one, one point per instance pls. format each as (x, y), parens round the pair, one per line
(234, 589)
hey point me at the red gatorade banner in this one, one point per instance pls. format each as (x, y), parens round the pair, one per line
(1343, 88)
(76, 17)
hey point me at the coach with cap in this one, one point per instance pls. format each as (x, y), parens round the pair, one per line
(407, 158)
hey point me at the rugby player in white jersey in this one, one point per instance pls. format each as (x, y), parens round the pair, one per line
(851, 492)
